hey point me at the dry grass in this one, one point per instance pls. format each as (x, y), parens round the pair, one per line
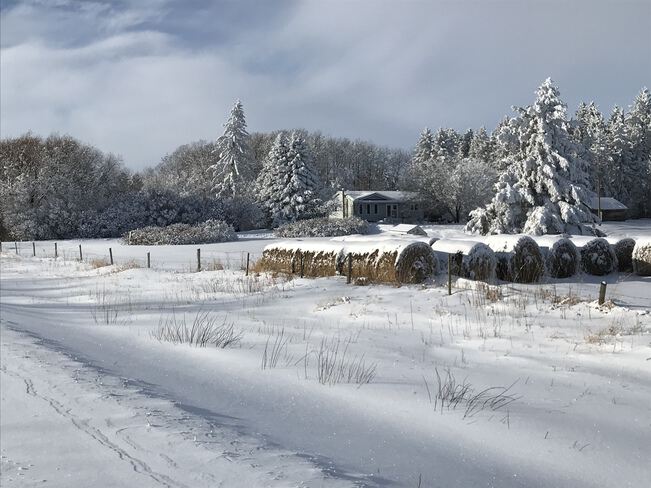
(205, 330)
(642, 258)
(98, 263)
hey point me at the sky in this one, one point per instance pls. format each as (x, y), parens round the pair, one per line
(138, 78)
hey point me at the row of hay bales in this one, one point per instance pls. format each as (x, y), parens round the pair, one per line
(385, 261)
(525, 259)
(513, 258)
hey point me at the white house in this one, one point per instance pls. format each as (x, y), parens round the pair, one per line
(376, 206)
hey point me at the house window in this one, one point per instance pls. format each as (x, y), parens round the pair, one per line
(360, 209)
(368, 208)
(375, 209)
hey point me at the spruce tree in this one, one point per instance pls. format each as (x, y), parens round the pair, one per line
(544, 190)
(231, 172)
(273, 179)
(301, 194)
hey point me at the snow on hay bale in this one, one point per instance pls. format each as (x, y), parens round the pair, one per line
(561, 255)
(642, 257)
(518, 258)
(389, 261)
(598, 257)
(385, 236)
(411, 229)
(623, 248)
(470, 259)
(319, 258)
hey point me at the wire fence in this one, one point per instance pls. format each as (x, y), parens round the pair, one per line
(172, 258)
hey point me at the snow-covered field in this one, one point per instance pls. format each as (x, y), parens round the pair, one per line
(328, 385)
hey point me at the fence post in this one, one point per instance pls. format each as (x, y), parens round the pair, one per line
(602, 293)
(350, 269)
(301, 264)
(16, 246)
(148, 259)
(56, 251)
(248, 255)
(33, 249)
(81, 256)
(111, 255)
(198, 259)
(449, 274)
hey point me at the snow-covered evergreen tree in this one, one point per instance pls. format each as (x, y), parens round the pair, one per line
(588, 129)
(287, 186)
(231, 171)
(638, 122)
(544, 190)
(481, 146)
(301, 194)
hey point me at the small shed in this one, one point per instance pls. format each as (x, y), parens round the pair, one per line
(414, 230)
(611, 208)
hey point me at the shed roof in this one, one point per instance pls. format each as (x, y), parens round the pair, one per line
(607, 203)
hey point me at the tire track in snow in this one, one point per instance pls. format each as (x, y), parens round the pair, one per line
(137, 465)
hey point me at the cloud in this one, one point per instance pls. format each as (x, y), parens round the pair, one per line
(140, 78)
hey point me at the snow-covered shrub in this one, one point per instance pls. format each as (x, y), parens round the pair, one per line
(518, 258)
(472, 260)
(624, 251)
(598, 258)
(177, 234)
(323, 227)
(561, 257)
(642, 257)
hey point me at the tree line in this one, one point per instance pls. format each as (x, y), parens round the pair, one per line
(59, 187)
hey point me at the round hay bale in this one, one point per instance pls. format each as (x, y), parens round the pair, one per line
(519, 258)
(562, 259)
(415, 263)
(397, 261)
(642, 257)
(470, 259)
(624, 251)
(598, 258)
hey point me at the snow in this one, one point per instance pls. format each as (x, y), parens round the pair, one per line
(207, 416)
(453, 246)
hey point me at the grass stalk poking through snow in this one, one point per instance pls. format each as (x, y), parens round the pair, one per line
(205, 330)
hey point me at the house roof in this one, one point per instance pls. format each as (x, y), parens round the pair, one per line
(388, 195)
(607, 203)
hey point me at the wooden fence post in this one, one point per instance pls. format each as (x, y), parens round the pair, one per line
(350, 269)
(602, 293)
(248, 255)
(81, 256)
(198, 259)
(111, 255)
(33, 249)
(56, 251)
(301, 264)
(16, 246)
(449, 274)
(148, 259)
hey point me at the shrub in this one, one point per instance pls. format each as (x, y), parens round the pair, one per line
(598, 258)
(177, 234)
(562, 259)
(518, 258)
(624, 251)
(323, 227)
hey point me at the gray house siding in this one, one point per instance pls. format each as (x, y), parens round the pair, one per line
(389, 206)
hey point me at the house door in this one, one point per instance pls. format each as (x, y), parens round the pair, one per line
(394, 211)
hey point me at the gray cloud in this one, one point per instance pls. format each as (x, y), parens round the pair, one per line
(141, 77)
